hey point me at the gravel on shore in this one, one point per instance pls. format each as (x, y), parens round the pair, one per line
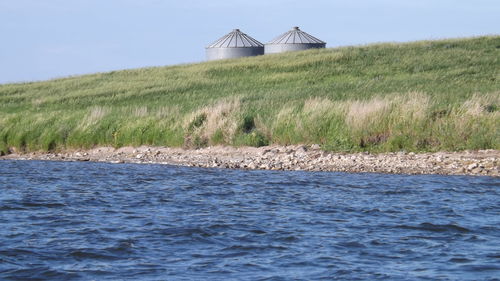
(296, 157)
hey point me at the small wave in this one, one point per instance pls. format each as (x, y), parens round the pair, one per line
(185, 232)
(8, 261)
(376, 242)
(323, 259)
(351, 244)
(371, 211)
(426, 226)
(39, 273)
(204, 256)
(92, 254)
(121, 248)
(17, 253)
(216, 194)
(254, 248)
(257, 231)
(112, 229)
(220, 271)
(475, 238)
(489, 229)
(272, 278)
(398, 191)
(11, 208)
(460, 260)
(300, 264)
(42, 204)
(424, 202)
(235, 254)
(87, 231)
(288, 238)
(327, 211)
(480, 268)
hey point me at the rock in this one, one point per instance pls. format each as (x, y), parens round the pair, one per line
(301, 149)
(472, 166)
(139, 156)
(477, 170)
(265, 166)
(265, 151)
(315, 147)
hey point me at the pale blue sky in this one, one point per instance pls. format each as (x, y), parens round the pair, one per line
(43, 39)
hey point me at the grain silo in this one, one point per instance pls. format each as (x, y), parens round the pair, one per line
(293, 40)
(235, 44)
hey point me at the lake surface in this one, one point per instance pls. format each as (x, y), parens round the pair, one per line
(98, 221)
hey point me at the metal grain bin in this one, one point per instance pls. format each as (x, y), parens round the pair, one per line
(235, 44)
(293, 40)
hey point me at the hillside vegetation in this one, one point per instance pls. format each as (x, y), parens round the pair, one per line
(420, 96)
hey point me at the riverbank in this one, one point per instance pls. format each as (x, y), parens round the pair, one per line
(440, 95)
(297, 157)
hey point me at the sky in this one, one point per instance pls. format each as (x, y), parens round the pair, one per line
(45, 39)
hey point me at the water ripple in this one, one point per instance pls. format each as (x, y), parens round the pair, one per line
(97, 221)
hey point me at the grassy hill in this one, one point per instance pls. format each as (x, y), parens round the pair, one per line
(420, 96)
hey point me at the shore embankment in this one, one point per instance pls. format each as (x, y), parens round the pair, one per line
(440, 95)
(296, 157)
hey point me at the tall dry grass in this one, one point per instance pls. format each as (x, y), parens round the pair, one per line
(95, 115)
(216, 123)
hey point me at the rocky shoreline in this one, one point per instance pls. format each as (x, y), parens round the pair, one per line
(297, 157)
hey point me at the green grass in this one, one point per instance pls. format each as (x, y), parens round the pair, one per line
(420, 96)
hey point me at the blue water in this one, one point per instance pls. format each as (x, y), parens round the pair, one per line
(96, 221)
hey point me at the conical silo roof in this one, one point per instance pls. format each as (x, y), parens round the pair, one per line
(296, 36)
(235, 39)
